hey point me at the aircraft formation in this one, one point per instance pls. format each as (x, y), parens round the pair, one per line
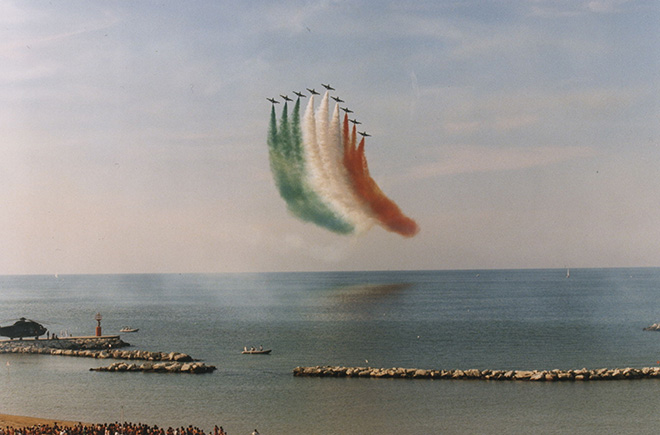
(320, 168)
(312, 91)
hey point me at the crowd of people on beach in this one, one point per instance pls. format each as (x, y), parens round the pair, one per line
(107, 429)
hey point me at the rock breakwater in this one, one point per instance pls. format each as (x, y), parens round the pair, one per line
(162, 367)
(72, 343)
(89, 347)
(583, 374)
(106, 354)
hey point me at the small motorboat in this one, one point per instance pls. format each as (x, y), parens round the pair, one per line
(127, 329)
(256, 351)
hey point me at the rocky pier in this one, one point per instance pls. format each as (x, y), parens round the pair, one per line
(603, 374)
(69, 343)
(109, 347)
(162, 367)
(89, 347)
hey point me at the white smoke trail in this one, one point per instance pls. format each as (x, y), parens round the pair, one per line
(314, 166)
(330, 178)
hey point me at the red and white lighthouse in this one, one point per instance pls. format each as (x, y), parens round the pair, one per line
(98, 318)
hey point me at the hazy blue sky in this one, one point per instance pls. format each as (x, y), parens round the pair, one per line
(517, 133)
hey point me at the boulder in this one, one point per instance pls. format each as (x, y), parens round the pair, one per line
(537, 376)
(158, 367)
(472, 374)
(523, 374)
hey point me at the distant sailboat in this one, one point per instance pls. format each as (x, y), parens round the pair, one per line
(568, 272)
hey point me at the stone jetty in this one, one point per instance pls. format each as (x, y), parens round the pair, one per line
(89, 347)
(105, 354)
(71, 343)
(583, 374)
(161, 367)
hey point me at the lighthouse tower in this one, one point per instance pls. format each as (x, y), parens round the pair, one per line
(98, 318)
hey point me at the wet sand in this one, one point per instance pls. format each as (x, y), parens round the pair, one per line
(20, 421)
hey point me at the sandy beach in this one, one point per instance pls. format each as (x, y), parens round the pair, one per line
(19, 421)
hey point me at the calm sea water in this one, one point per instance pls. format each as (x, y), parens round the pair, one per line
(507, 319)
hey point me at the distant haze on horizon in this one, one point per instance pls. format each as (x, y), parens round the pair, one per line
(521, 134)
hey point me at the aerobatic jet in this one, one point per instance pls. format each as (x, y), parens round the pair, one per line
(286, 97)
(346, 109)
(355, 121)
(328, 87)
(312, 91)
(273, 100)
(364, 133)
(337, 99)
(299, 94)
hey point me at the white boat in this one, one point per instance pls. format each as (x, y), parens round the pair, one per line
(127, 329)
(256, 352)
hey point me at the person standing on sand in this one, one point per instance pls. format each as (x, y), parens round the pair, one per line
(256, 432)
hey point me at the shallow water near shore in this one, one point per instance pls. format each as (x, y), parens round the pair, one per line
(507, 319)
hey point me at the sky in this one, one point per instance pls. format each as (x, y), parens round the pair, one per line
(518, 134)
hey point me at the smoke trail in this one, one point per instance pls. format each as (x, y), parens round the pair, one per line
(314, 137)
(316, 169)
(329, 176)
(323, 175)
(287, 164)
(387, 212)
(346, 195)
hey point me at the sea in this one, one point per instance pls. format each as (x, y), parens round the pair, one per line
(483, 319)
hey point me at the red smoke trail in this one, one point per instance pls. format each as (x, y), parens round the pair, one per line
(388, 213)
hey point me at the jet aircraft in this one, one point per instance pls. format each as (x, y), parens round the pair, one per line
(355, 121)
(299, 94)
(312, 91)
(328, 87)
(346, 109)
(273, 100)
(337, 99)
(286, 97)
(364, 133)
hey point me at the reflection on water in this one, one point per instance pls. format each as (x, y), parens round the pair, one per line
(367, 293)
(360, 302)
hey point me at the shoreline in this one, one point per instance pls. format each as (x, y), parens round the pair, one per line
(23, 421)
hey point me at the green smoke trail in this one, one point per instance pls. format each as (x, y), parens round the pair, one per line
(296, 134)
(287, 164)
